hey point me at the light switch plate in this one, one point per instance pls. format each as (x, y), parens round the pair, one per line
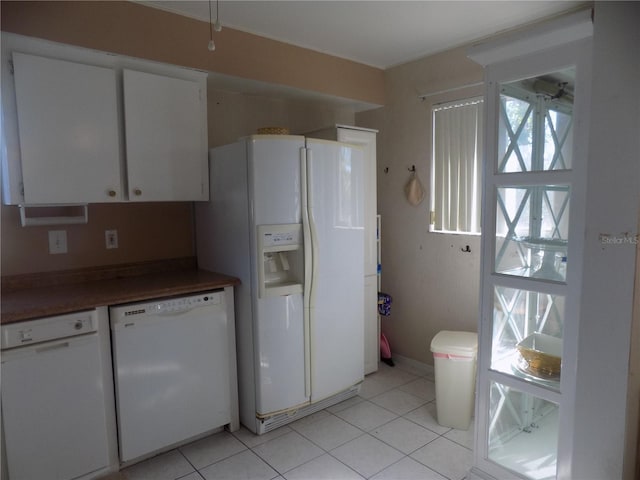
(57, 241)
(111, 238)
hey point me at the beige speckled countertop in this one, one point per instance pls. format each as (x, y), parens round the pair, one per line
(40, 299)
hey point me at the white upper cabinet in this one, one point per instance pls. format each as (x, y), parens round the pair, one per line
(166, 138)
(68, 124)
(90, 127)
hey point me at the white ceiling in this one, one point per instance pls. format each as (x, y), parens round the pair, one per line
(377, 33)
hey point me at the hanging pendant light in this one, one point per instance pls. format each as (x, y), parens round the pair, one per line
(217, 26)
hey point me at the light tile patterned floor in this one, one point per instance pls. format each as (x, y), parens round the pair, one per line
(388, 432)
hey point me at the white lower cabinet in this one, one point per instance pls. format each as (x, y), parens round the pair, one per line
(91, 127)
(73, 395)
(58, 414)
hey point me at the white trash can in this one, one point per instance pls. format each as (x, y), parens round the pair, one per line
(454, 355)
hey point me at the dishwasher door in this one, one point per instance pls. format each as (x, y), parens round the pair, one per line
(53, 405)
(171, 368)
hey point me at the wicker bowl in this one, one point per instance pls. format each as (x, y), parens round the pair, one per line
(273, 131)
(542, 354)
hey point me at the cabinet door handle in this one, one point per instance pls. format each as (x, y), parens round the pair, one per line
(111, 193)
(137, 192)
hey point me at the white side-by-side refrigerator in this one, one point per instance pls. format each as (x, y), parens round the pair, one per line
(286, 216)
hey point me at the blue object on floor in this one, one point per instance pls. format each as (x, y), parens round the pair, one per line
(384, 304)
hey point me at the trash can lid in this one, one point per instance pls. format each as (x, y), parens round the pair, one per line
(455, 343)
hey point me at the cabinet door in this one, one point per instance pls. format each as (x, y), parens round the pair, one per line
(68, 128)
(166, 138)
(367, 140)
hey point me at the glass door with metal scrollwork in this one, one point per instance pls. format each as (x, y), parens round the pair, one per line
(532, 172)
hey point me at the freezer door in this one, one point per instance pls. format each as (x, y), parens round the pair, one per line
(335, 197)
(278, 328)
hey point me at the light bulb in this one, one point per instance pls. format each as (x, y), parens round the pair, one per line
(211, 46)
(217, 26)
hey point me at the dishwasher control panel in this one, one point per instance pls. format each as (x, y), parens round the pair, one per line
(49, 328)
(168, 305)
(187, 303)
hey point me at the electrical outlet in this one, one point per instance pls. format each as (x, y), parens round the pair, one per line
(111, 238)
(57, 241)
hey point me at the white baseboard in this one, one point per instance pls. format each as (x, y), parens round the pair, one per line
(414, 366)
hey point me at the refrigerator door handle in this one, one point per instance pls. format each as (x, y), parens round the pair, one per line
(308, 271)
(312, 230)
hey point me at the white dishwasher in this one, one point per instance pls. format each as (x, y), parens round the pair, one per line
(174, 370)
(57, 397)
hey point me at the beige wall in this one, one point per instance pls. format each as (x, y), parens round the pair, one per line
(232, 115)
(609, 318)
(145, 232)
(632, 435)
(132, 29)
(434, 285)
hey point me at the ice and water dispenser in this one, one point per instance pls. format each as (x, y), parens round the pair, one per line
(281, 259)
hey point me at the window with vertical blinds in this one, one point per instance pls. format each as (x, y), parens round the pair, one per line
(456, 167)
